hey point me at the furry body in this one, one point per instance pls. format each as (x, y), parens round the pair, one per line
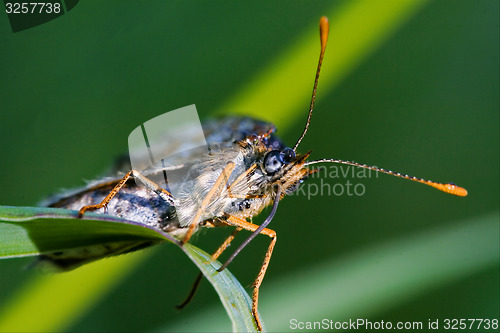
(242, 141)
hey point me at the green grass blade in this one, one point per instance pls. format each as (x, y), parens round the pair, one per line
(30, 231)
(235, 299)
(356, 285)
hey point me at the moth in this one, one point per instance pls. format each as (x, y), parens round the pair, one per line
(247, 169)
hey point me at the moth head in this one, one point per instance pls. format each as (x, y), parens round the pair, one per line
(275, 160)
(285, 168)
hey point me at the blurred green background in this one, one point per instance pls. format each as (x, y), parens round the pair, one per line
(421, 97)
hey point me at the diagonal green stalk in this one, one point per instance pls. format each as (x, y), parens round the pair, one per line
(356, 31)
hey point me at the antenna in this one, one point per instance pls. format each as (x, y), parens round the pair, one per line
(324, 27)
(448, 188)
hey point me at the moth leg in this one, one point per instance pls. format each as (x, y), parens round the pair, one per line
(149, 184)
(235, 221)
(224, 176)
(214, 257)
(193, 290)
(226, 243)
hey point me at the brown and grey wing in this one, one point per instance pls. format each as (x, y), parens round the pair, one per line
(232, 129)
(132, 202)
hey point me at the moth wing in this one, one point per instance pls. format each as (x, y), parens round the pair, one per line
(70, 259)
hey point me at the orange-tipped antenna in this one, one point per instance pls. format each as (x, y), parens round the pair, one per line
(324, 27)
(448, 188)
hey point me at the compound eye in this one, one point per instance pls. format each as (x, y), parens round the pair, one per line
(273, 162)
(288, 155)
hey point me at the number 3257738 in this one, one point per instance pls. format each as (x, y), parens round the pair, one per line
(32, 8)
